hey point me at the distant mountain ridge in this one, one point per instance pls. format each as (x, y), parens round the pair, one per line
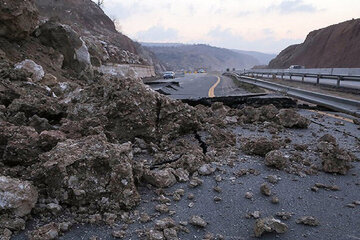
(192, 57)
(336, 46)
(263, 58)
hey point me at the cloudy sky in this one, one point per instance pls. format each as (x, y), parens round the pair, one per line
(261, 25)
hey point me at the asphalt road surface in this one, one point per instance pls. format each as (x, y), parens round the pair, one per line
(200, 85)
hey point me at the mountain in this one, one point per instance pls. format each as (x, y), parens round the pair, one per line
(263, 58)
(330, 47)
(191, 57)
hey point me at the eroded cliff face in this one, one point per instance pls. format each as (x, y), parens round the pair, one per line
(97, 30)
(336, 46)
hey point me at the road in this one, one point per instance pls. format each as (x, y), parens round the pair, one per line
(200, 85)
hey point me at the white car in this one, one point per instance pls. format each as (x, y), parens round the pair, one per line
(168, 75)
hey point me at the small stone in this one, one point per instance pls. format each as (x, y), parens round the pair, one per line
(176, 197)
(144, 217)
(119, 234)
(275, 200)
(350, 205)
(64, 226)
(110, 218)
(265, 190)
(5, 234)
(163, 199)
(218, 178)
(170, 234)
(217, 199)
(208, 236)
(183, 223)
(284, 215)
(191, 204)
(255, 214)
(314, 189)
(206, 169)
(356, 202)
(54, 208)
(162, 208)
(155, 235)
(180, 191)
(217, 189)
(46, 232)
(181, 175)
(249, 195)
(220, 237)
(191, 196)
(273, 179)
(308, 220)
(197, 221)
(195, 182)
(164, 223)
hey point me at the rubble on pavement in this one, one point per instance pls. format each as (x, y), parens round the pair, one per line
(269, 224)
(76, 145)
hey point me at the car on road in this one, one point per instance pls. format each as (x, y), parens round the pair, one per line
(296, 67)
(168, 75)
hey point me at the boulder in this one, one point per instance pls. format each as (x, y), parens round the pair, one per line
(18, 18)
(46, 232)
(16, 196)
(83, 171)
(289, 118)
(37, 72)
(308, 220)
(276, 159)
(64, 39)
(18, 145)
(197, 221)
(160, 178)
(49, 139)
(334, 159)
(269, 224)
(260, 146)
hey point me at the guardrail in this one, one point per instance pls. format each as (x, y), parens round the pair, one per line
(338, 74)
(335, 103)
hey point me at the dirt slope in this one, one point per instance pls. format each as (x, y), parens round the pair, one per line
(333, 46)
(86, 18)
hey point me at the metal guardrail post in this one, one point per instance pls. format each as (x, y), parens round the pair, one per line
(318, 79)
(282, 76)
(290, 76)
(303, 78)
(338, 81)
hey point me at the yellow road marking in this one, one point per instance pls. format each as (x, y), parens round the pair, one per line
(212, 89)
(333, 116)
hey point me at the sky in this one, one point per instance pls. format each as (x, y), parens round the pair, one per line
(258, 25)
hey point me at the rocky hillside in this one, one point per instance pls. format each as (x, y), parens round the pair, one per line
(105, 43)
(192, 57)
(336, 46)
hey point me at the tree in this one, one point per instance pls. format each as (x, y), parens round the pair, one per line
(100, 3)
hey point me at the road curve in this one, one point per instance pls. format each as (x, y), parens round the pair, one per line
(202, 85)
